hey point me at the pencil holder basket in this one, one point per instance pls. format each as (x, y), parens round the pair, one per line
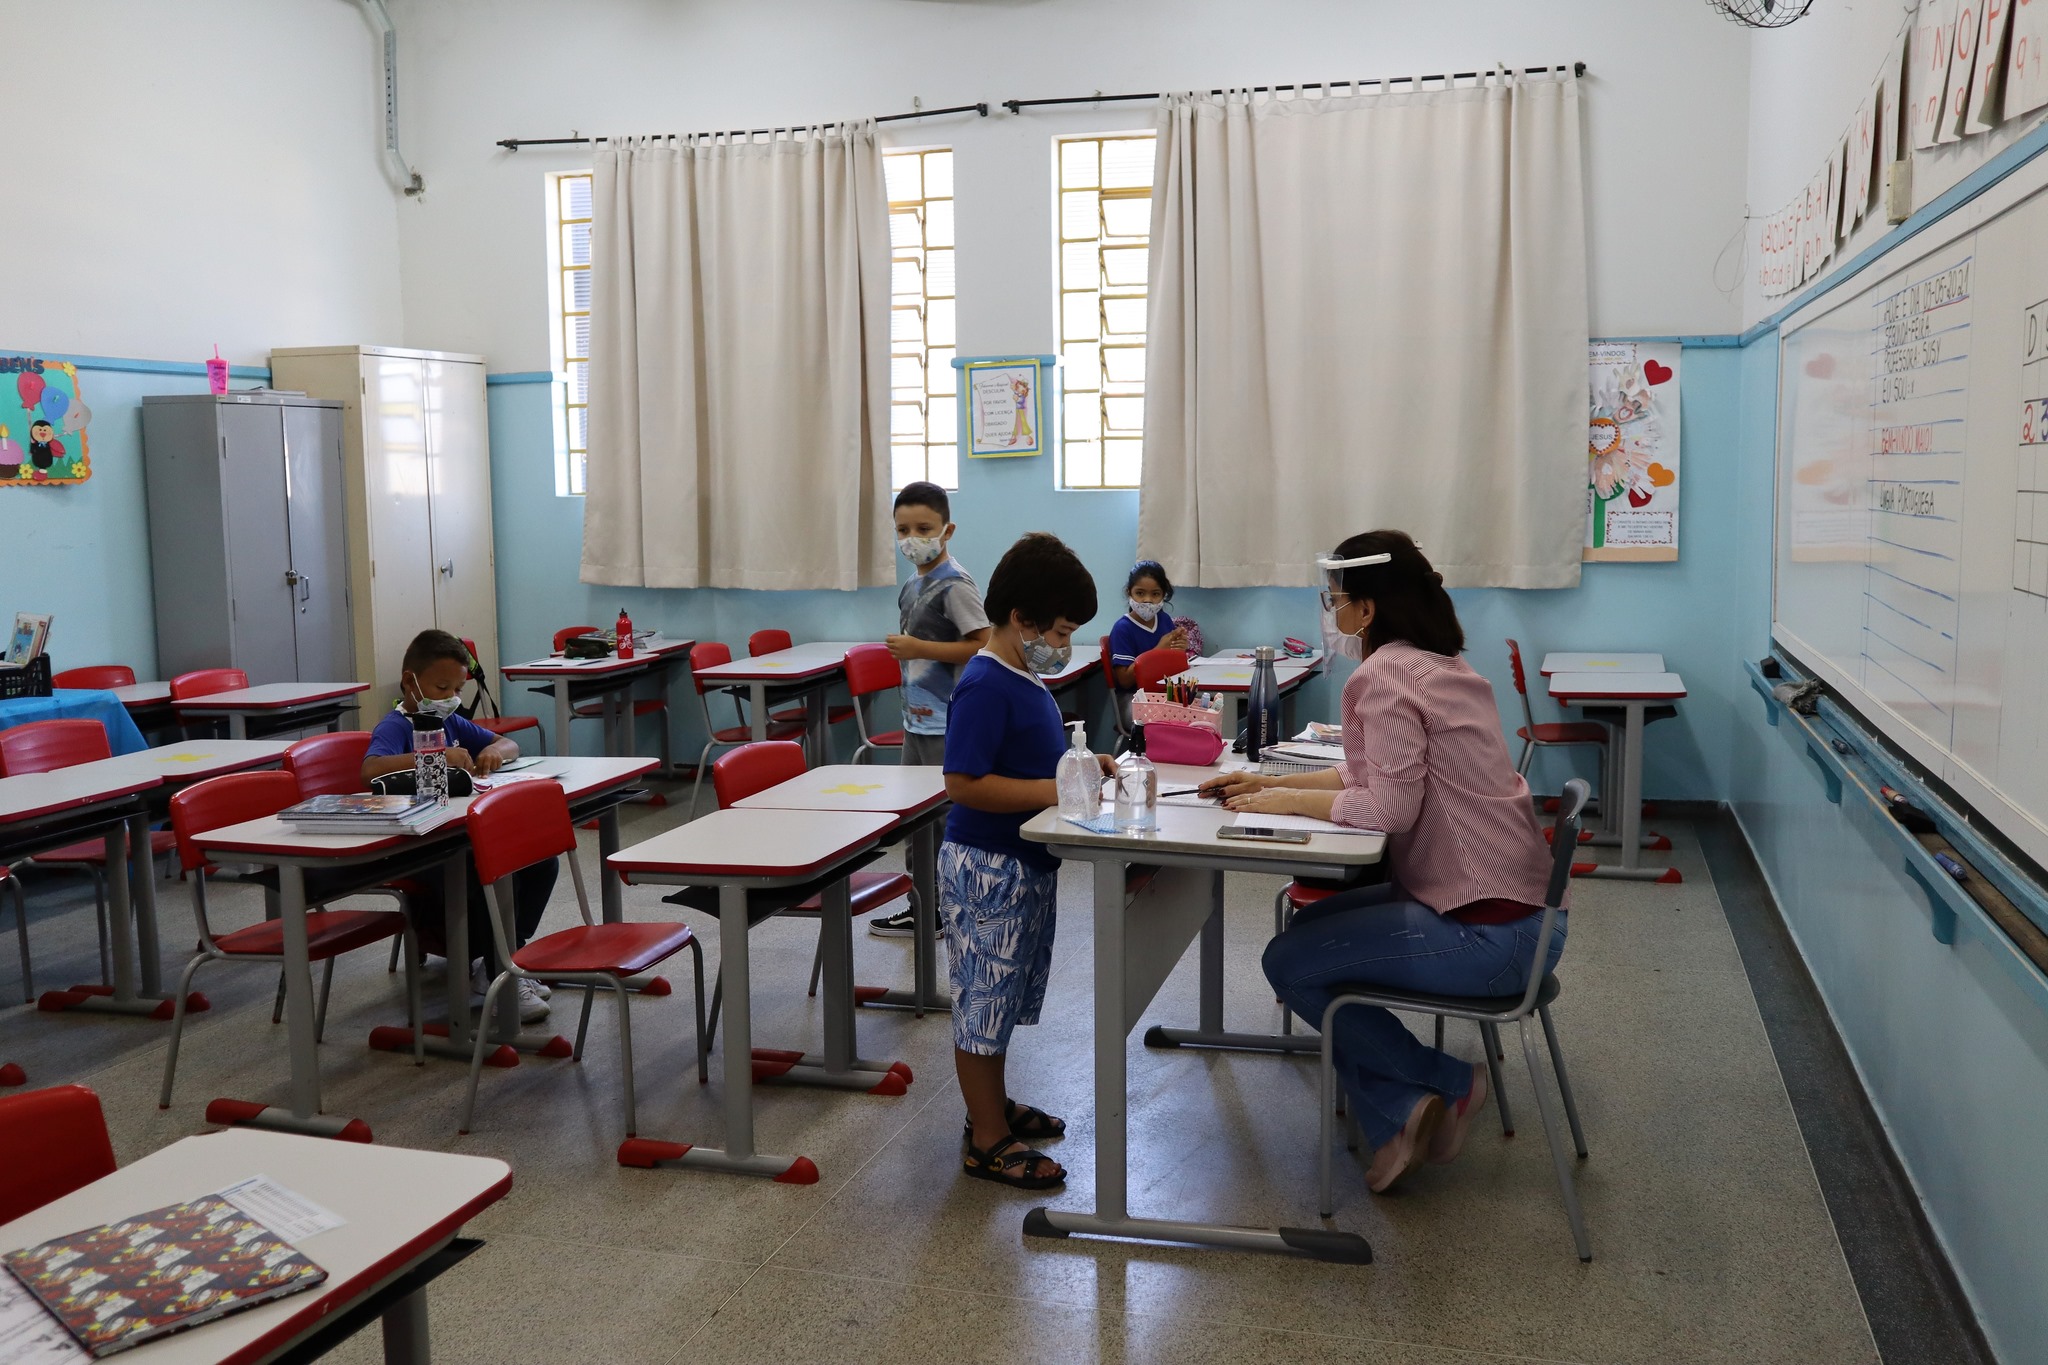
(31, 680)
(1148, 708)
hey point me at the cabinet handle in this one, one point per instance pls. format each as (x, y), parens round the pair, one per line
(448, 569)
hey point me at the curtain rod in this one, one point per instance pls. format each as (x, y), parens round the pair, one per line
(513, 144)
(1018, 106)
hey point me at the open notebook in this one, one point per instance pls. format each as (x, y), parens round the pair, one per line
(1257, 820)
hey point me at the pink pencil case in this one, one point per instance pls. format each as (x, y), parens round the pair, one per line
(1170, 742)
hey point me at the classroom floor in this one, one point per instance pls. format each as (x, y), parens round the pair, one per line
(1710, 1235)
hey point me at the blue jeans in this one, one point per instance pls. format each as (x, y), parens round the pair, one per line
(1378, 937)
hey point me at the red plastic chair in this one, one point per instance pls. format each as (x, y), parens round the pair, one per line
(230, 800)
(770, 642)
(1551, 734)
(329, 765)
(514, 827)
(52, 1142)
(568, 633)
(1155, 666)
(497, 724)
(97, 677)
(754, 768)
(871, 669)
(43, 746)
(710, 654)
(205, 682)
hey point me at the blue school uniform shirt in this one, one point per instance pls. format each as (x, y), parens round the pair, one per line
(1003, 722)
(393, 736)
(943, 606)
(1128, 639)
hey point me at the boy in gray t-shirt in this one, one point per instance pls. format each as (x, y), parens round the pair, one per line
(943, 626)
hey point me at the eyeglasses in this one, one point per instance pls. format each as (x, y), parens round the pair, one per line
(1333, 600)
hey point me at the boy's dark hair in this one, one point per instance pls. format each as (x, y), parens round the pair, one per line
(431, 646)
(1154, 570)
(1408, 597)
(1041, 580)
(922, 494)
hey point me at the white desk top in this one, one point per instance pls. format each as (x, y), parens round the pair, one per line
(793, 664)
(400, 1205)
(195, 760)
(1078, 667)
(784, 844)
(1235, 675)
(33, 794)
(1191, 830)
(890, 790)
(272, 837)
(272, 696)
(143, 694)
(1571, 661)
(645, 653)
(1617, 686)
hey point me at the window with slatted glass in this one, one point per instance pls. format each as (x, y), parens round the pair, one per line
(569, 263)
(1105, 226)
(923, 386)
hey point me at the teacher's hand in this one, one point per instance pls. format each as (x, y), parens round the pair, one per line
(1268, 801)
(1226, 785)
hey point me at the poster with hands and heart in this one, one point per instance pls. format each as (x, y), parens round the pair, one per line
(1632, 451)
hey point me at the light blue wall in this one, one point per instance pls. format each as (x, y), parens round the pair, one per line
(1683, 610)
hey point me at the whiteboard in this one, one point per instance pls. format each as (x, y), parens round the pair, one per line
(1911, 545)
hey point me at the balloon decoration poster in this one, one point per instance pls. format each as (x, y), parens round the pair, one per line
(42, 424)
(1632, 451)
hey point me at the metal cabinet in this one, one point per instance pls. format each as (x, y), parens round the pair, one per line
(247, 535)
(417, 451)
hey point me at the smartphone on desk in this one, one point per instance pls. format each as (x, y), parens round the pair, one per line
(1263, 834)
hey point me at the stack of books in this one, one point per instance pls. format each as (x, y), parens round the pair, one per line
(366, 814)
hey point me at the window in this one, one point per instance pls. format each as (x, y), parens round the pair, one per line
(569, 285)
(923, 419)
(1105, 227)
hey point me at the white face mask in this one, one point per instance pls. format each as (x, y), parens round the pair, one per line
(1042, 659)
(1339, 645)
(1148, 612)
(443, 707)
(922, 550)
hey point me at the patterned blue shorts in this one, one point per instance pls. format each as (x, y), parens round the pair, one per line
(998, 916)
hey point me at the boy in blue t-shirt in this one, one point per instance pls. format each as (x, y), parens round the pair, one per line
(1004, 739)
(436, 665)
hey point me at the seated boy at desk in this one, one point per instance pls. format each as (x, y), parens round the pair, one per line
(436, 665)
(1003, 745)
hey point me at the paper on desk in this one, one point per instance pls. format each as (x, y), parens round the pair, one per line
(1259, 820)
(30, 1333)
(501, 778)
(1319, 733)
(285, 1212)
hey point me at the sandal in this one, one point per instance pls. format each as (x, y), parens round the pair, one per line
(1008, 1156)
(1027, 1122)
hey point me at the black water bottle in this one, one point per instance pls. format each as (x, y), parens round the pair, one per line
(1262, 705)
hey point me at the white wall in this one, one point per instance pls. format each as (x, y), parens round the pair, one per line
(186, 174)
(1806, 83)
(1664, 127)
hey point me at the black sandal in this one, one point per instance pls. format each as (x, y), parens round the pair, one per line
(1006, 1156)
(1027, 1122)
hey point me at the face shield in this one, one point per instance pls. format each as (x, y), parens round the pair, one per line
(1337, 643)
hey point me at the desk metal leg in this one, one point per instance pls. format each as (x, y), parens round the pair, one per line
(1212, 1033)
(610, 896)
(1227, 703)
(303, 1114)
(1111, 1217)
(142, 889)
(842, 1068)
(757, 711)
(123, 928)
(1629, 760)
(405, 1331)
(238, 725)
(738, 1156)
(925, 993)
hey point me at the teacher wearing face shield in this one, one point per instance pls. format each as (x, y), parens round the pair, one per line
(1424, 761)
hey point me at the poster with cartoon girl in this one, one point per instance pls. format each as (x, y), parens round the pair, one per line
(51, 417)
(1002, 399)
(1632, 452)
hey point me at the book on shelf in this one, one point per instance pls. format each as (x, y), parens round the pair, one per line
(124, 1283)
(31, 633)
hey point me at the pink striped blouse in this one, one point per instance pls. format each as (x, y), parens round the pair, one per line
(1425, 762)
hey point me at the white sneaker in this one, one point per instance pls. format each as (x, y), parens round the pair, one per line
(533, 1007)
(542, 989)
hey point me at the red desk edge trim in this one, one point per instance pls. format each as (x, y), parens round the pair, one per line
(626, 869)
(209, 702)
(141, 784)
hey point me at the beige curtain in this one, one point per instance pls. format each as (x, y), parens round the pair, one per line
(1368, 310)
(739, 381)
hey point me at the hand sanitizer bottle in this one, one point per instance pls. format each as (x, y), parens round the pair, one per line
(1079, 778)
(1137, 794)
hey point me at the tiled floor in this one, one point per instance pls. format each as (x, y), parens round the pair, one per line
(1711, 1241)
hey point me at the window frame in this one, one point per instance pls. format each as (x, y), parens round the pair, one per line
(931, 397)
(571, 462)
(1103, 242)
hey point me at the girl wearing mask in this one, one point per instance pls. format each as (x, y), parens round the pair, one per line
(1424, 762)
(1145, 624)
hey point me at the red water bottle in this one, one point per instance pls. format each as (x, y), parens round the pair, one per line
(625, 633)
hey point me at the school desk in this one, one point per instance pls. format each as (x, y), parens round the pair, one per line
(595, 787)
(281, 706)
(148, 703)
(44, 811)
(609, 681)
(809, 667)
(72, 703)
(1230, 678)
(1138, 941)
(1633, 694)
(402, 1211)
(916, 797)
(738, 851)
(1578, 661)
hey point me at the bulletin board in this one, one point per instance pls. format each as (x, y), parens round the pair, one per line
(1008, 405)
(42, 424)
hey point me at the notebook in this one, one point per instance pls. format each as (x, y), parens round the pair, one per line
(121, 1284)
